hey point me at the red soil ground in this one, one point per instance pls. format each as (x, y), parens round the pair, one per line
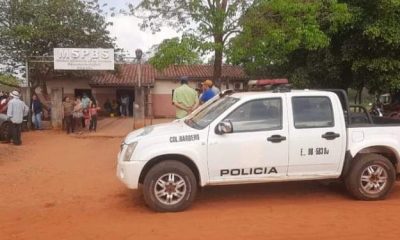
(61, 187)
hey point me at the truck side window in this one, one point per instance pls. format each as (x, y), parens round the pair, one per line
(257, 115)
(312, 112)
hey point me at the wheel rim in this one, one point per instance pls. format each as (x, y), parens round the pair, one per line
(374, 179)
(170, 188)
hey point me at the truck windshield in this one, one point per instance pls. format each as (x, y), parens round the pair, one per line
(204, 117)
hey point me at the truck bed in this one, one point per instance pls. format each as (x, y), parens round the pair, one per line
(364, 120)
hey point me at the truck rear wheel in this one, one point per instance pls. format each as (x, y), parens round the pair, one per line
(169, 186)
(371, 177)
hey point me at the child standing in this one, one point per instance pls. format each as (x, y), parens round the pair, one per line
(93, 116)
(86, 117)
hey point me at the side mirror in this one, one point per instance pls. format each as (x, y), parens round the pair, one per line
(224, 127)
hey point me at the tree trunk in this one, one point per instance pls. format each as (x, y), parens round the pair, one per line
(56, 101)
(360, 94)
(217, 67)
(221, 6)
(355, 98)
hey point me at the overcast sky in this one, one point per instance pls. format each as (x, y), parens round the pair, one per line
(127, 32)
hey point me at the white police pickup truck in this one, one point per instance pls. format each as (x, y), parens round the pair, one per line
(256, 137)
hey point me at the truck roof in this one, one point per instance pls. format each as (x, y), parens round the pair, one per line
(271, 93)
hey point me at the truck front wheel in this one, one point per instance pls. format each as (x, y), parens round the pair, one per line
(371, 177)
(169, 186)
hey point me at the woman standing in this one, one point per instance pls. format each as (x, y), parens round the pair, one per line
(93, 116)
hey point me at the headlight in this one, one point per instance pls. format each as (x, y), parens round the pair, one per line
(130, 148)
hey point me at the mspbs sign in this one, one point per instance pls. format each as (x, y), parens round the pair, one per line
(83, 59)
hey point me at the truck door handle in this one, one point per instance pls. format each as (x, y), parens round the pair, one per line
(276, 138)
(330, 135)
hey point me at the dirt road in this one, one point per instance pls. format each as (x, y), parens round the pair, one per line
(60, 187)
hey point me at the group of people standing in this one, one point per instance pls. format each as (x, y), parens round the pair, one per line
(187, 99)
(15, 110)
(79, 114)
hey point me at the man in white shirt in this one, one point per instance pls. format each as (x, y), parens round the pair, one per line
(16, 111)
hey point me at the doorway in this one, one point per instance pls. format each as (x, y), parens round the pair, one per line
(126, 92)
(81, 92)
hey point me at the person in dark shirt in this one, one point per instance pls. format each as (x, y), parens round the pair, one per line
(37, 112)
(108, 107)
(67, 110)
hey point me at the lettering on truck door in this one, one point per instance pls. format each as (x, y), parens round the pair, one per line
(258, 146)
(317, 136)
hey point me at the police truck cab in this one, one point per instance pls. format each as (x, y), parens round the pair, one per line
(265, 136)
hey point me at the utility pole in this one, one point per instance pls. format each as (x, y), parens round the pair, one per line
(139, 114)
(28, 98)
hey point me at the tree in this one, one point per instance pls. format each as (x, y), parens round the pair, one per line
(34, 27)
(290, 38)
(371, 45)
(174, 51)
(323, 43)
(8, 80)
(210, 22)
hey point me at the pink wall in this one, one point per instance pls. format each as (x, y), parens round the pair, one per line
(162, 105)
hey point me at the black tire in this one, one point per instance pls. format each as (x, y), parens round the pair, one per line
(172, 173)
(366, 179)
(5, 131)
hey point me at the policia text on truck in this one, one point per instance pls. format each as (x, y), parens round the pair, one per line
(248, 171)
(257, 137)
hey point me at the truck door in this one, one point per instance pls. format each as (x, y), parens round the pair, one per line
(317, 135)
(257, 148)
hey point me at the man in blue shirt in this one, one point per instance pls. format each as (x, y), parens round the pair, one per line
(208, 93)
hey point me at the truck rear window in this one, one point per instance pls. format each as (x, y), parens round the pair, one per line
(312, 112)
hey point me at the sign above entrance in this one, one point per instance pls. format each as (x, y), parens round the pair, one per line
(83, 59)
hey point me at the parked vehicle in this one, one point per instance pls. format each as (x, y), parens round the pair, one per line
(376, 109)
(255, 137)
(4, 127)
(390, 105)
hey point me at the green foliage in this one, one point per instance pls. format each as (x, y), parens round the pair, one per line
(35, 27)
(8, 80)
(372, 44)
(275, 31)
(174, 51)
(211, 23)
(323, 43)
